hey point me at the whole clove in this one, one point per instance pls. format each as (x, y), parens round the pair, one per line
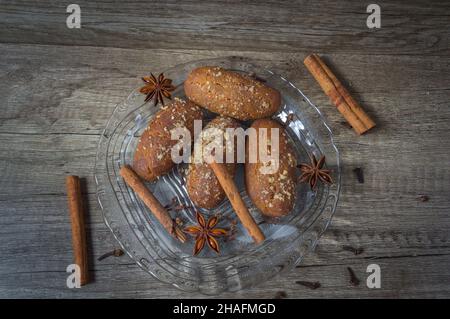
(353, 279)
(309, 284)
(346, 124)
(359, 174)
(116, 253)
(355, 251)
(175, 206)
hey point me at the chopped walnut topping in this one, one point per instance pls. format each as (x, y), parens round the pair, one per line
(278, 196)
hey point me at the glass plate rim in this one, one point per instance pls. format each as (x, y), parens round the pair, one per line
(323, 122)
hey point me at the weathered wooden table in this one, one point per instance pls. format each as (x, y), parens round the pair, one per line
(60, 85)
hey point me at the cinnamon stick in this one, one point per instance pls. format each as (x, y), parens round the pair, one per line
(78, 232)
(226, 181)
(339, 95)
(133, 180)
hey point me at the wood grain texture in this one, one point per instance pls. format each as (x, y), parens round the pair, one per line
(59, 86)
(415, 27)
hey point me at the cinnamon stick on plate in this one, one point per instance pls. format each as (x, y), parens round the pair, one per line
(338, 94)
(78, 232)
(227, 182)
(163, 216)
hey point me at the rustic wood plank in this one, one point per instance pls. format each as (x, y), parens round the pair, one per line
(416, 27)
(33, 205)
(59, 87)
(37, 164)
(43, 222)
(396, 224)
(40, 270)
(406, 259)
(74, 90)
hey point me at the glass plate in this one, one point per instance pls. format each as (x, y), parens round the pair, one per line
(241, 263)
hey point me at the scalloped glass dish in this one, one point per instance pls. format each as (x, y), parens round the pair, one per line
(241, 263)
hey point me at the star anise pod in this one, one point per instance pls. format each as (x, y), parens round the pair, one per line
(156, 88)
(205, 232)
(314, 171)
